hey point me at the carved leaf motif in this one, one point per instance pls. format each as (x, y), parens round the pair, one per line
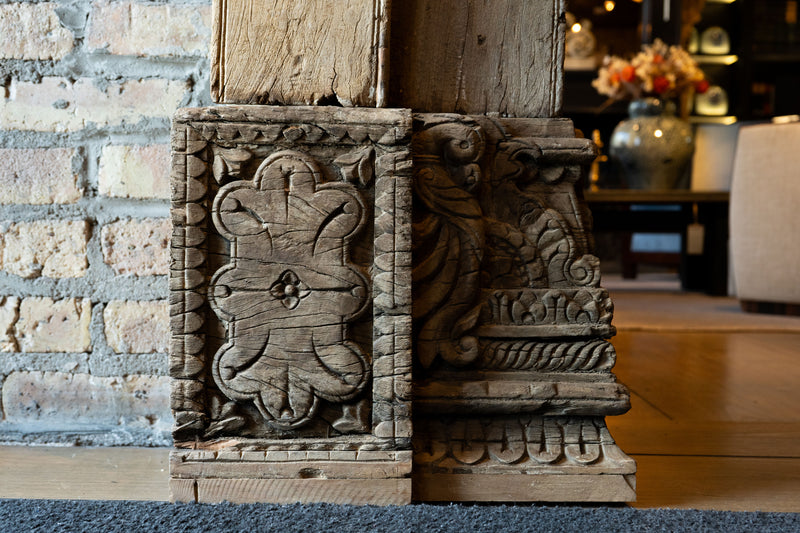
(358, 166)
(224, 417)
(544, 441)
(469, 442)
(228, 162)
(506, 442)
(225, 425)
(289, 291)
(431, 443)
(549, 252)
(448, 242)
(582, 443)
(355, 418)
(514, 260)
(188, 422)
(565, 267)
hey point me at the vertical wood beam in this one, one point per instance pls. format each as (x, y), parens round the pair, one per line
(474, 57)
(299, 52)
(463, 56)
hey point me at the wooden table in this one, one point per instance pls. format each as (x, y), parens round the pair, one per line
(708, 271)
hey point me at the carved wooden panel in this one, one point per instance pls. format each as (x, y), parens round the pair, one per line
(501, 246)
(294, 52)
(503, 57)
(508, 443)
(511, 327)
(291, 292)
(552, 459)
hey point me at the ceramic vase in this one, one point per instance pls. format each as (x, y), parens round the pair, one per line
(653, 147)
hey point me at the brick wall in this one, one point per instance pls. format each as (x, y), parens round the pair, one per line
(89, 88)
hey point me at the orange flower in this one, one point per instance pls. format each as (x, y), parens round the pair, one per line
(658, 70)
(628, 73)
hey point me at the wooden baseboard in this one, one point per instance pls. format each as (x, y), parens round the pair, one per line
(430, 487)
(284, 491)
(426, 488)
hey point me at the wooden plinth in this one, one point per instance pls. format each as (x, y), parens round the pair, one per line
(524, 488)
(321, 256)
(284, 491)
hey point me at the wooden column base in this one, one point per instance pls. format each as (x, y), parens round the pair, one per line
(302, 237)
(520, 458)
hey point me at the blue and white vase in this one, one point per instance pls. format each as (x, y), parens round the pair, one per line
(653, 147)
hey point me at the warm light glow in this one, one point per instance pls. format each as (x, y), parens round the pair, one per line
(716, 60)
(610, 5)
(658, 133)
(576, 27)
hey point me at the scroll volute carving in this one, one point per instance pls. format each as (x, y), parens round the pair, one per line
(532, 244)
(289, 290)
(448, 240)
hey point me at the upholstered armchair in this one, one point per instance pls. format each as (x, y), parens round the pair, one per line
(765, 218)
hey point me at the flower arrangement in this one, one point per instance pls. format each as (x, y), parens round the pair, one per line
(658, 70)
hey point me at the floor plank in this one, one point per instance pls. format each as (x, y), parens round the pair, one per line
(718, 483)
(736, 377)
(706, 438)
(36, 472)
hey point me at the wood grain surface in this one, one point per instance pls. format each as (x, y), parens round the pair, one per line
(521, 487)
(295, 52)
(284, 491)
(503, 57)
(77, 473)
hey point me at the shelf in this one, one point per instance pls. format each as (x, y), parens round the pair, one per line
(790, 57)
(725, 121)
(729, 59)
(572, 64)
(644, 196)
(720, 1)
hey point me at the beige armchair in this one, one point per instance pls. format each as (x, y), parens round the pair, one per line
(765, 218)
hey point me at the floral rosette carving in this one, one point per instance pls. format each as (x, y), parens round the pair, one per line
(289, 291)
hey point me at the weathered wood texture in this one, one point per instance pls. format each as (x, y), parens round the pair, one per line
(291, 291)
(512, 362)
(285, 491)
(503, 275)
(541, 446)
(462, 56)
(524, 488)
(292, 308)
(231, 464)
(294, 52)
(478, 57)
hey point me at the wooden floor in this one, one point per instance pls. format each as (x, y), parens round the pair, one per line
(715, 424)
(715, 419)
